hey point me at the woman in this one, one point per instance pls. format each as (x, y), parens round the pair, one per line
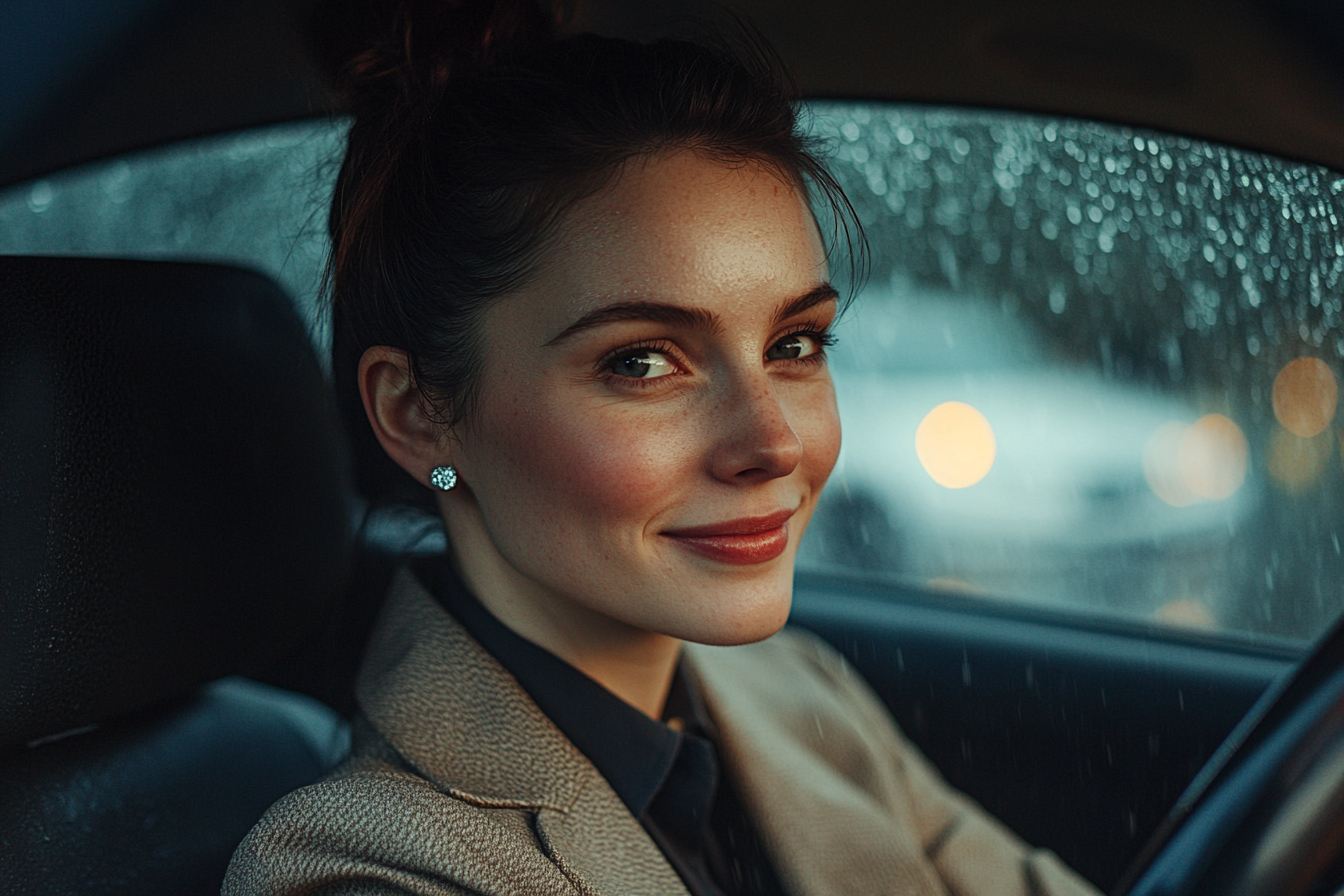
(581, 298)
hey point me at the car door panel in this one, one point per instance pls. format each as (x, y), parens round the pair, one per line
(1079, 733)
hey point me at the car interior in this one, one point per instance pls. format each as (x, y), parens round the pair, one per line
(188, 572)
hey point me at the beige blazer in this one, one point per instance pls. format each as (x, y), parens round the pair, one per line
(458, 784)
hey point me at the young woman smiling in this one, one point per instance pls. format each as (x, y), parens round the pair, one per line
(581, 298)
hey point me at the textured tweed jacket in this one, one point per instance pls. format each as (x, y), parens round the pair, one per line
(459, 784)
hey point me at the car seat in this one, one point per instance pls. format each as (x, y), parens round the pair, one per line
(175, 512)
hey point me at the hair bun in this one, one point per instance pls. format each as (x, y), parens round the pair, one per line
(388, 54)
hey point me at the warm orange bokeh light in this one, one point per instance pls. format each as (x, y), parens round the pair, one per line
(1296, 463)
(1205, 461)
(1305, 396)
(1162, 467)
(955, 443)
(1186, 612)
(1212, 455)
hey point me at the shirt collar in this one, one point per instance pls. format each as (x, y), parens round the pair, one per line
(634, 753)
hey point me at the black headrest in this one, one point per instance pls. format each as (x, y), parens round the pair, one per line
(174, 498)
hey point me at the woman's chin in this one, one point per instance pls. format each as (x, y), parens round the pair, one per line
(746, 623)
(745, 635)
(733, 605)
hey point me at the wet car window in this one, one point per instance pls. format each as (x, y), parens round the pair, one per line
(256, 198)
(1092, 367)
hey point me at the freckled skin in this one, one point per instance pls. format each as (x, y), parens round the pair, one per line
(570, 474)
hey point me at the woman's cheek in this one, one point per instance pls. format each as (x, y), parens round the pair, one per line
(615, 461)
(817, 424)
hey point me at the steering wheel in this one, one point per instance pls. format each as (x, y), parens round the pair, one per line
(1265, 817)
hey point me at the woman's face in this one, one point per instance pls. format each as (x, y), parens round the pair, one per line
(657, 420)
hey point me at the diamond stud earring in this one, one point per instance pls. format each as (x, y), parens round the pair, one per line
(443, 478)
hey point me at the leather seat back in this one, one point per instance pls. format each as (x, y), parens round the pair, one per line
(174, 508)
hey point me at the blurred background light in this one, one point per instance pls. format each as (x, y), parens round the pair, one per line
(1204, 461)
(1305, 396)
(1162, 467)
(1186, 612)
(955, 444)
(1212, 455)
(1296, 463)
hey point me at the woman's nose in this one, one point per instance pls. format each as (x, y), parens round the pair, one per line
(755, 440)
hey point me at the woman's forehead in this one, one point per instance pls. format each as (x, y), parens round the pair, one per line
(687, 227)
(669, 190)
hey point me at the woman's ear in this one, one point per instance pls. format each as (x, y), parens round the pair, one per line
(397, 413)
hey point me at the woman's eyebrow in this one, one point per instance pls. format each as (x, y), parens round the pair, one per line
(677, 316)
(655, 312)
(818, 296)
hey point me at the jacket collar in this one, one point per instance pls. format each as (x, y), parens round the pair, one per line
(634, 753)
(462, 722)
(786, 734)
(818, 765)
(454, 713)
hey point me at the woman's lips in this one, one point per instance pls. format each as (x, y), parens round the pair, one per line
(744, 541)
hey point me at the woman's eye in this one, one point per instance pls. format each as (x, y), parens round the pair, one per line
(798, 345)
(642, 365)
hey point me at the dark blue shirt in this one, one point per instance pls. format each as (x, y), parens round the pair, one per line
(666, 772)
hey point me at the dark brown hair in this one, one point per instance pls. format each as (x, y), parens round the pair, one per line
(476, 126)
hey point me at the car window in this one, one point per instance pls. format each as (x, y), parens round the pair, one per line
(256, 198)
(1091, 367)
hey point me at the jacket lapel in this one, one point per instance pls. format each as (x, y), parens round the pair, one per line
(833, 815)
(463, 722)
